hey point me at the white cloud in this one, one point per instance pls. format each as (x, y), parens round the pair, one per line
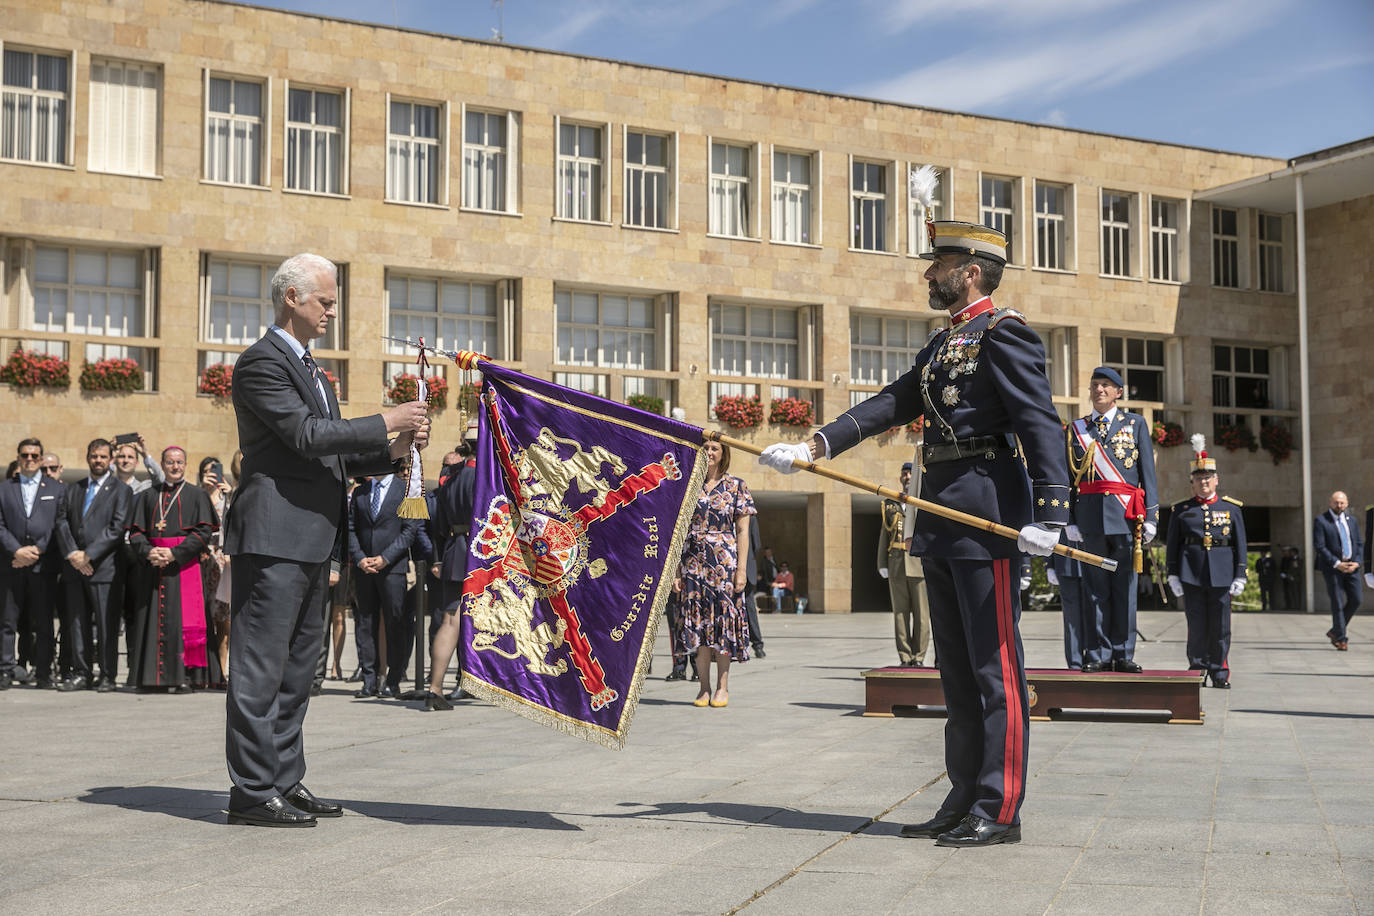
(573, 27)
(902, 14)
(983, 78)
(1057, 116)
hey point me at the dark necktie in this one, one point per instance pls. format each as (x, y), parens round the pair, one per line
(1102, 428)
(313, 368)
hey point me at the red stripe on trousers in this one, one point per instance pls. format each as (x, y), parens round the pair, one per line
(1011, 692)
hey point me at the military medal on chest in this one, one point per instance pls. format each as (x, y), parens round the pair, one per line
(1124, 447)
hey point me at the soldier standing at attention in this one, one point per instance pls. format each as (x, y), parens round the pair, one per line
(992, 447)
(1115, 513)
(910, 618)
(1206, 562)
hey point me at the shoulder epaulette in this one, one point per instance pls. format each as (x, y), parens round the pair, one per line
(1232, 500)
(934, 334)
(1000, 314)
(1182, 504)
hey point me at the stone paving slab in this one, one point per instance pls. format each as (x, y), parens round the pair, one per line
(787, 801)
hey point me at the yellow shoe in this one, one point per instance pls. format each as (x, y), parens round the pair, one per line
(702, 702)
(724, 702)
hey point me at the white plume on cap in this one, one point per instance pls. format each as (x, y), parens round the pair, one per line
(1199, 442)
(922, 183)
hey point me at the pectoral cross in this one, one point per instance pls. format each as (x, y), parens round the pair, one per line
(160, 526)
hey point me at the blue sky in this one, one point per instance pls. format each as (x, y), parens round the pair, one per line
(1271, 77)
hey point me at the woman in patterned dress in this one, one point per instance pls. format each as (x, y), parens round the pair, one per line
(709, 587)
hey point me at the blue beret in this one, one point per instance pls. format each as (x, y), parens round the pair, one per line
(906, 465)
(1110, 374)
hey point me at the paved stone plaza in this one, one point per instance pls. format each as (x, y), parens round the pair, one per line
(789, 801)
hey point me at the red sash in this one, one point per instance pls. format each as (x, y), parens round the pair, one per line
(1135, 506)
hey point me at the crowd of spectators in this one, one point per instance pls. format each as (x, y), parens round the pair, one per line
(117, 577)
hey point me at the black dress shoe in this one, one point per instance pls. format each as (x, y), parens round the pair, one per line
(1222, 681)
(388, 692)
(677, 674)
(759, 653)
(362, 693)
(77, 683)
(5, 682)
(1093, 667)
(458, 693)
(1126, 666)
(105, 685)
(977, 831)
(275, 812)
(301, 799)
(355, 677)
(22, 675)
(942, 822)
(435, 702)
(44, 683)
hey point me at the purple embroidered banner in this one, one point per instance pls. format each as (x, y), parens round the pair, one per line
(579, 506)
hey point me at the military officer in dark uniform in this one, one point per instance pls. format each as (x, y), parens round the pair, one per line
(910, 619)
(1116, 511)
(1206, 563)
(981, 386)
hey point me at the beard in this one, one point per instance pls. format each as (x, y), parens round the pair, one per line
(947, 292)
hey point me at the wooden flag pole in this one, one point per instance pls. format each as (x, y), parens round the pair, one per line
(954, 515)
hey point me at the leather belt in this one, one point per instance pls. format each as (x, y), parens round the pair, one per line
(973, 447)
(458, 532)
(1207, 542)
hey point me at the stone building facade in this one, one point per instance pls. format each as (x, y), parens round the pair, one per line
(618, 227)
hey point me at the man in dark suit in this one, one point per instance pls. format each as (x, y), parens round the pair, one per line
(90, 534)
(379, 545)
(1116, 506)
(992, 447)
(1206, 563)
(1267, 572)
(297, 453)
(1338, 547)
(30, 505)
(751, 586)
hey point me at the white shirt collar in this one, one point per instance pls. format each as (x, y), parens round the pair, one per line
(295, 345)
(100, 481)
(1110, 415)
(31, 479)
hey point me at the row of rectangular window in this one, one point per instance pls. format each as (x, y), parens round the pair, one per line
(108, 292)
(124, 100)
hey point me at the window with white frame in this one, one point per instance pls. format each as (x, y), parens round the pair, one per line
(124, 117)
(755, 340)
(90, 291)
(1271, 254)
(1240, 378)
(648, 179)
(35, 107)
(1140, 360)
(488, 158)
(1164, 238)
(997, 208)
(1225, 247)
(871, 206)
(315, 141)
(792, 197)
(918, 237)
(145, 357)
(883, 348)
(414, 152)
(1116, 233)
(731, 172)
(234, 135)
(239, 303)
(581, 171)
(606, 330)
(1052, 202)
(454, 314)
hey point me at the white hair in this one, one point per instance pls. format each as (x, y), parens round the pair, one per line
(299, 271)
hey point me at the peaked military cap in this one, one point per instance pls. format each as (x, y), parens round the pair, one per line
(952, 236)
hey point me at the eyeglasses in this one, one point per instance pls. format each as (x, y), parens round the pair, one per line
(31, 456)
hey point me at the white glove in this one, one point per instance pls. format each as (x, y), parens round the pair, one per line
(1237, 586)
(882, 571)
(780, 456)
(1025, 582)
(1051, 575)
(1151, 529)
(1037, 540)
(1073, 534)
(1369, 579)
(1176, 586)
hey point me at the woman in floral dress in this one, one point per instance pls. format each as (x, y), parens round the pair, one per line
(709, 587)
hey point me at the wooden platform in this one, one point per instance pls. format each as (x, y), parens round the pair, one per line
(1053, 691)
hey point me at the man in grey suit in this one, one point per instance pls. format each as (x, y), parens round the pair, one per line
(90, 534)
(282, 532)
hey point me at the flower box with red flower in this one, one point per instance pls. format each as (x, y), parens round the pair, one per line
(1277, 441)
(739, 411)
(1166, 434)
(406, 388)
(116, 374)
(217, 380)
(31, 369)
(791, 412)
(1236, 437)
